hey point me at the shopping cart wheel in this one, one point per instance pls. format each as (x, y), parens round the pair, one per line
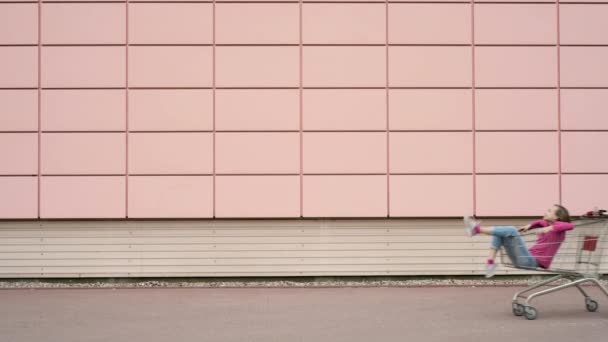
(591, 305)
(530, 312)
(518, 309)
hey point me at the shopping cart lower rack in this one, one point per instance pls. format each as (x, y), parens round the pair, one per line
(578, 261)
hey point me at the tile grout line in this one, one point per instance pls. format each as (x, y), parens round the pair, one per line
(307, 174)
(311, 88)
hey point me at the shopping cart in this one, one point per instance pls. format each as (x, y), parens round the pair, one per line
(578, 261)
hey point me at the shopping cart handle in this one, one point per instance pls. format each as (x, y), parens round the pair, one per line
(596, 213)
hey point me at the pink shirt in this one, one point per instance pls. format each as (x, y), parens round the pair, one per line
(547, 244)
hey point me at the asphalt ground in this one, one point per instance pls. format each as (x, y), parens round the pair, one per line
(350, 314)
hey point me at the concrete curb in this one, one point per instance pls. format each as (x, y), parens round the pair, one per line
(312, 282)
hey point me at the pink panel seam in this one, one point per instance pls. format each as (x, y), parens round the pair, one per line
(388, 173)
(39, 104)
(301, 64)
(213, 107)
(127, 110)
(559, 110)
(473, 128)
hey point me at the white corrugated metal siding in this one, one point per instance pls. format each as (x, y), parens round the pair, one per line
(221, 248)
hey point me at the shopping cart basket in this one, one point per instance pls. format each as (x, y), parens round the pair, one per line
(578, 261)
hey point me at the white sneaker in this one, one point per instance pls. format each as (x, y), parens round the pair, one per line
(469, 225)
(490, 269)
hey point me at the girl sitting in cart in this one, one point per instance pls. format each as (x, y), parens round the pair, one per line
(551, 232)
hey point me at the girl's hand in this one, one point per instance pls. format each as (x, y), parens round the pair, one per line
(524, 228)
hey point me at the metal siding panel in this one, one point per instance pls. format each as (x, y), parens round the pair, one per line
(241, 248)
(251, 254)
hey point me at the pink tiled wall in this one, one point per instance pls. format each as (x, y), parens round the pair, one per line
(200, 109)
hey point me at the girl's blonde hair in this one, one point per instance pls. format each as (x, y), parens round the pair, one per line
(562, 213)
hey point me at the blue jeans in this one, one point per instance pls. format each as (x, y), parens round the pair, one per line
(515, 246)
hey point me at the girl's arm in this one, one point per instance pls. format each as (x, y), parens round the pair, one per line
(559, 226)
(532, 225)
(538, 223)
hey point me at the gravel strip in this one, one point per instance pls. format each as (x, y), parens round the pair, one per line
(272, 282)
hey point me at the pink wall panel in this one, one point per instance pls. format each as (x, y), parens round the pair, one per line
(584, 109)
(92, 23)
(170, 153)
(257, 109)
(82, 197)
(257, 66)
(170, 109)
(429, 23)
(516, 66)
(83, 66)
(515, 24)
(18, 66)
(336, 82)
(434, 196)
(583, 24)
(244, 1)
(517, 1)
(337, 1)
(515, 152)
(516, 195)
(344, 152)
(258, 23)
(83, 153)
(516, 109)
(584, 151)
(257, 196)
(343, 23)
(257, 152)
(84, 0)
(437, 152)
(430, 109)
(344, 66)
(18, 197)
(18, 153)
(170, 66)
(430, 1)
(81, 110)
(168, 1)
(584, 192)
(345, 196)
(19, 24)
(584, 66)
(19, 110)
(344, 109)
(430, 66)
(170, 196)
(182, 23)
